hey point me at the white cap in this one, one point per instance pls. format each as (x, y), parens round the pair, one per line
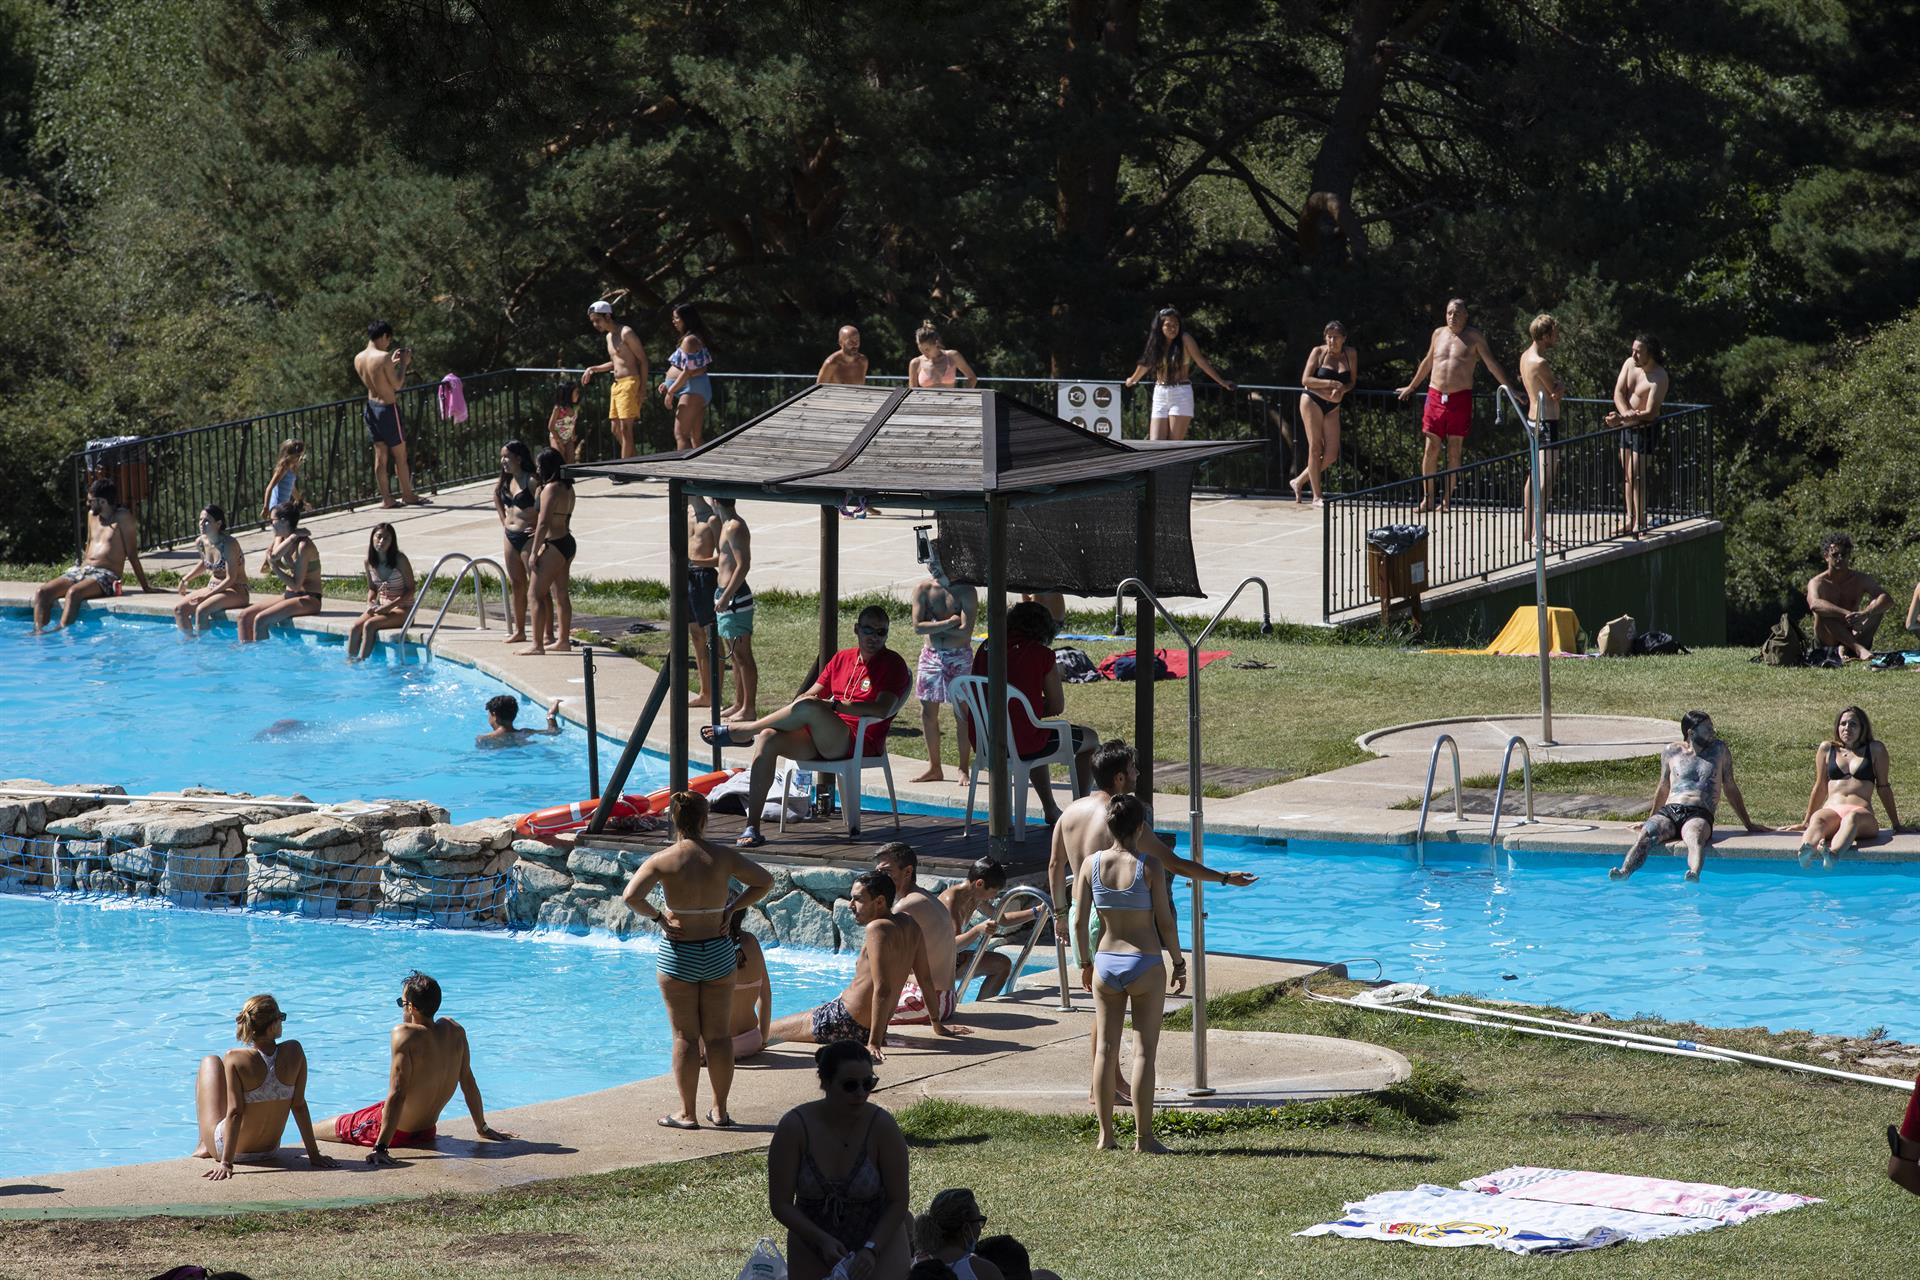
(601, 308)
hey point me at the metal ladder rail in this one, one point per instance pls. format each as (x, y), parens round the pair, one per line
(1426, 797)
(471, 566)
(1042, 917)
(1500, 792)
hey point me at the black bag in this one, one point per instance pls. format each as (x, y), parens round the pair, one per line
(1123, 667)
(1649, 643)
(1076, 667)
(1784, 646)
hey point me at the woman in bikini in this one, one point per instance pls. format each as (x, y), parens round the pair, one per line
(244, 1098)
(1847, 772)
(563, 423)
(553, 551)
(937, 365)
(226, 568)
(516, 496)
(1329, 376)
(687, 391)
(389, 592)
(1171, 355)
(698, 956)
(293, 558)
(285, 484)
(752, 1019)
(837, 1173)
(1136, 925)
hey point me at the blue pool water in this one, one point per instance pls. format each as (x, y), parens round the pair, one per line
(132, 701)
(1755, 942)
(111, 1006)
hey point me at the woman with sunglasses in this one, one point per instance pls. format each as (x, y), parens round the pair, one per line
(226, 568)
(1171, 356)
(949, 1230)
(244, 1098)
(837, 1175)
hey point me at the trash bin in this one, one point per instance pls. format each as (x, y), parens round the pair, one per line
(123, 460)
(1397, 566)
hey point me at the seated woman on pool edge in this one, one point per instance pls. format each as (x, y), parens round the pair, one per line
(752, 1019)
(1848, 770)
(390, 590)
(293, 558)
(225, 565)
(244, 1098)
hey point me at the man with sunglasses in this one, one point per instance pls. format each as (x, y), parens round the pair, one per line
(891, 947)
(866, 680)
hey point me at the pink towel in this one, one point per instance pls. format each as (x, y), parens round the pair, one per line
(1636, 1194)
(453, 399)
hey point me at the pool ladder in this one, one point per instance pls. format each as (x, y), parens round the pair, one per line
(1044, 914)
(1499, 795)
(470, 565)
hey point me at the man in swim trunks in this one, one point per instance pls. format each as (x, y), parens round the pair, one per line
(1082, 831)
(502, 710)
(112, 540)
(892, 946)
(943, 614)
(928, 994)
(1693, 773)
(979, 894)
(382, 369)
(627, 361)
(733, 609)
(1545, 391)
(703, 584)
(1847, 604)
(1638, 393)
(430, 1060)
(1448, 369)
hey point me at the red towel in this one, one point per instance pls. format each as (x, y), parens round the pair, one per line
(1176, 659)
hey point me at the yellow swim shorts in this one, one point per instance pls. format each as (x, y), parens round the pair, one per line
(626, 399)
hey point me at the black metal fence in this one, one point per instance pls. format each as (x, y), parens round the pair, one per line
(1482, 532)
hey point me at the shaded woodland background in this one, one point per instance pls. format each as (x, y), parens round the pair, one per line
(202, 202)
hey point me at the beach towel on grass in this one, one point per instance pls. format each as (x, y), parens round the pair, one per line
(1175, 660)
(1637, 1194)
(1449, 1219)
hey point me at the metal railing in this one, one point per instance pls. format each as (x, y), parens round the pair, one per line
(469, 565)
(1500, 792)
(1426, 796)
(1480, 532)
(1042, 914)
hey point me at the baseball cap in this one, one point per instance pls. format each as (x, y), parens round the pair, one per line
(601, 308)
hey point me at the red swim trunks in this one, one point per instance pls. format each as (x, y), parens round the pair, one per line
(362, 1129)
(1910, 1127)
(1448, 413)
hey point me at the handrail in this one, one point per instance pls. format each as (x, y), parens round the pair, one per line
(1426, 798)
(472, 566)
(1042, 915)
(1500, 792)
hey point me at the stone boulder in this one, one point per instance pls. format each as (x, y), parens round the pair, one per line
(823, 884)
(798, 919)
(848, 932)
(209, 869)
(314, 830)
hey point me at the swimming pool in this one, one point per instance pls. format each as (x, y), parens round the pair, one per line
(102, 1043)
(129, 700)
(1756, 941)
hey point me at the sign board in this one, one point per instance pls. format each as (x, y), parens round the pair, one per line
(1091, 406)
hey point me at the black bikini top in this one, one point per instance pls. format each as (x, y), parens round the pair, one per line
(1332, 374)
(1862, 760)
(515, 495)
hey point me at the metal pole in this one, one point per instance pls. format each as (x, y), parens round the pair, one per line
(1196, 839)
(1540, 571)
(677, 621)
(1144, 626)
(999, 785)
(719, 683)
(593, 723)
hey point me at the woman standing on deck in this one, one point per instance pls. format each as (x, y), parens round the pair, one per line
(937, 365)
(553, 550)
(285, 484)
(1170, 356)
(698, 955)
(837, 1174)
(225, 565)
(1136, 923)
(389, 592)
(293, 558)
(1330, 374)
(516, 496)
(243, 1099)
(687, 391)
(1848, 771)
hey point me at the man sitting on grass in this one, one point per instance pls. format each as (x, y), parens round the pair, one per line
(866, 680)
(1847, 604)
(502, 710)
(1693, 772)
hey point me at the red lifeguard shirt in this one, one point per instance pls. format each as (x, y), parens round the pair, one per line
(848, 677)
(1028, 663)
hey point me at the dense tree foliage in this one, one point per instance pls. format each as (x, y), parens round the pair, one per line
(202, 201)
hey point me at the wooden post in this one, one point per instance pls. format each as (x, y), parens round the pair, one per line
(999, 793)
(829, 587)
(677, 621)
(1145, 626)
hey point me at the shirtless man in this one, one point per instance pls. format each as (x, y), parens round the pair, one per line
(890, 948)
(383, 370)
(976, 896)
(1545, 391)
(112, 540)
(1448, 369)
(1693, 773)
(430, 1060)
(733, 609)
(703, 584)
(928, 995)
(1638, 393)
(1839, 617)
(627, 361)
(1082, 831)
(943, 614)
(502, 710)
(846, 365)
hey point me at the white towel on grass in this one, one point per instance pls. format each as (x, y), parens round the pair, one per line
(1446, 1218)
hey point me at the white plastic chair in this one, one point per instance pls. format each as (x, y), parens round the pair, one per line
(848, 771)
(971, 692)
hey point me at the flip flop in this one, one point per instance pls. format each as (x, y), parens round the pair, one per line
(750, 839)
(719, 735)
(668, 1122)
(717, 1121)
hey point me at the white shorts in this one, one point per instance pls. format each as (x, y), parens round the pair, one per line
(913, 1003)
(1172, 401)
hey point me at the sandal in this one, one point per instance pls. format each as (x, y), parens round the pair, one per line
(668, 1122)
(720, 735)
(749, 839)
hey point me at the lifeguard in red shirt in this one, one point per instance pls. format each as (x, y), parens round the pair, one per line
(866, 680)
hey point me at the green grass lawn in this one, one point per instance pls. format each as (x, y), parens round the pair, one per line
(1224, 1205)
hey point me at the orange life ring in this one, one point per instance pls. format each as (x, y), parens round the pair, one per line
(548, 824)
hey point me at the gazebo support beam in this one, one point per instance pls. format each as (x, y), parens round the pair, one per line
(677, 621)
(1145, 623)
(999, 793)
(829, 588)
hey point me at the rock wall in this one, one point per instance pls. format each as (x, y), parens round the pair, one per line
(23, 826)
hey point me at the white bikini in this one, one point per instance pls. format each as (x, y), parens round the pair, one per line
(272, 1089)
